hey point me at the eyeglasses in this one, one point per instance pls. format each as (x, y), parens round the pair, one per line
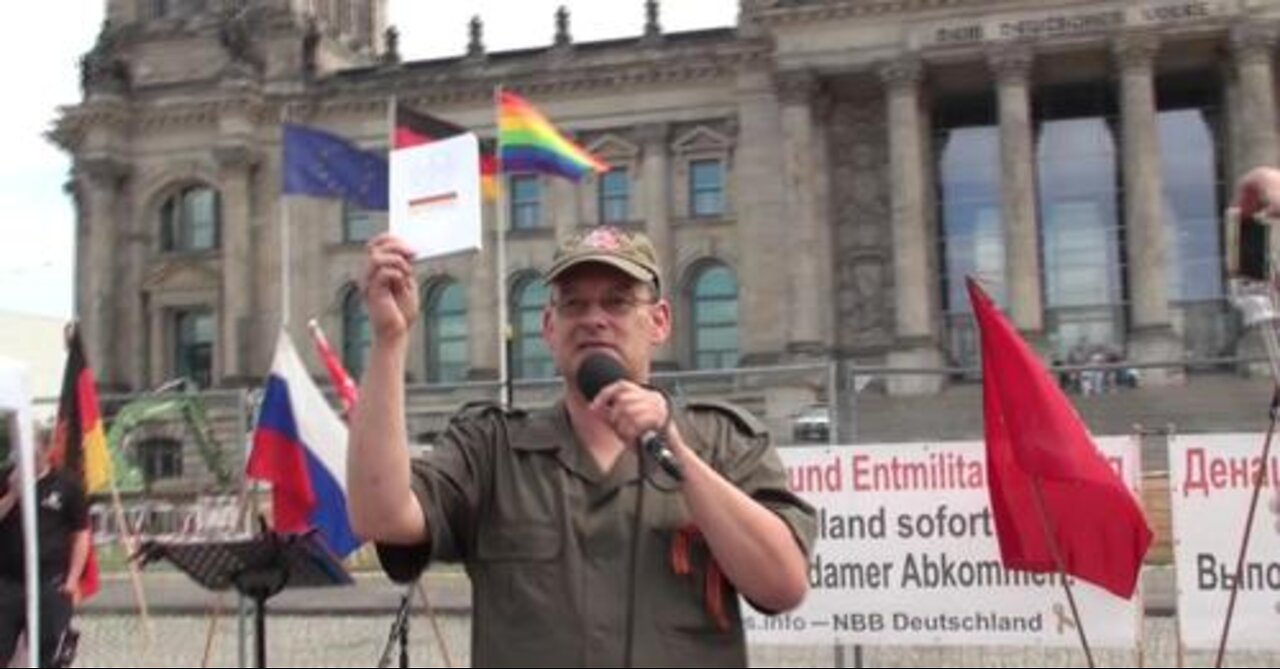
(617, 304)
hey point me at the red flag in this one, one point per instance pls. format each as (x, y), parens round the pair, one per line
(1034, 436)
(338, 375)
(79, 444)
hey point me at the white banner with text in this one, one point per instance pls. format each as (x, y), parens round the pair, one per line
(907, 554)
(1211, 484)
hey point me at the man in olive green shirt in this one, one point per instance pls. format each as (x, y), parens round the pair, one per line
(540, 506)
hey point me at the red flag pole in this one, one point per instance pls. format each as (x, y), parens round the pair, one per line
(342, 382)
(1051, 539)
(1253, 507)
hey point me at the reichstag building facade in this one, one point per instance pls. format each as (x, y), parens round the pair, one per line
(818, 179)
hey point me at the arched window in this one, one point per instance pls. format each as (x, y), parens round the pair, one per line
(356, 333)
(190, 220)
(530, 358)
(446, 328)
(715, 318)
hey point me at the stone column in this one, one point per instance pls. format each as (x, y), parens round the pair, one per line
(807, 304)
(759, 203)
(1254, 47)
(1253, 130)
(655, 209)
(137, 246)
(1232, 156)
(1151, 337)
(916, 330)
(236, 162)
(101, 180)
(1011, 65)
(824, 232)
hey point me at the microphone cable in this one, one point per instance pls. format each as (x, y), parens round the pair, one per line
(645, 469)
(633, 566)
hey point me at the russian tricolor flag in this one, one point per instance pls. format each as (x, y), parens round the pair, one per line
(300, 447)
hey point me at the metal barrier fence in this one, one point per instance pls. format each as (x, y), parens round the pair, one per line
(801, 404)
(175, 447)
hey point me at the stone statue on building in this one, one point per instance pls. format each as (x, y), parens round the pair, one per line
(236, 35)
(101, 68)
(310, 44)
(563, 38)
(652, 29)
(391, 39)
(475, 37)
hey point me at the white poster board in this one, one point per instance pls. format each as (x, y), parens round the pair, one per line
(907, 554)
(1210, 485)
(435, 196)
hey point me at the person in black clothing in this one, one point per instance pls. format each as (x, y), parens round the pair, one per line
(63, 528)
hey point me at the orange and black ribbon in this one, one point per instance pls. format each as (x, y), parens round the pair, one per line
(713, 586)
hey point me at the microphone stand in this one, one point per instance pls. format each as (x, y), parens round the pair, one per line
(399, 633)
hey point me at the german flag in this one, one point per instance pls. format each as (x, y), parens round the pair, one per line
(414, 128)
(79, 442)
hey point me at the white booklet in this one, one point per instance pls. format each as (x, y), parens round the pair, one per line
(435, 199)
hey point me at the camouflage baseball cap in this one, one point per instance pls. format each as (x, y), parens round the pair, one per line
(631, 252)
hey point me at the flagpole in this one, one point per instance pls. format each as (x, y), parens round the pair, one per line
(286, 301)
(430, 612)
(129, 542)
(285, 292)
(1052, 540)
(1266, 322)
(1273, 349)
(391, 130)
(504, 328)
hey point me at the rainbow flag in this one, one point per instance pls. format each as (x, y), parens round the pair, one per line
(528, 142)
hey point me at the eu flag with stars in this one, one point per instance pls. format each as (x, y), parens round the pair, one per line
(322, 164)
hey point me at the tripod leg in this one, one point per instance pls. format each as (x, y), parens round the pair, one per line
(404, 635)
(397, 632)
(260, 627)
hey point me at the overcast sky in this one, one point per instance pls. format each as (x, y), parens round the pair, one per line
(36, 227)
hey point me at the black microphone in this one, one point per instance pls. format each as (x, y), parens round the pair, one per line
(598, 371)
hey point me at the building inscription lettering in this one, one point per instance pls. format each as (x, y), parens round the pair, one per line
(1067, 24)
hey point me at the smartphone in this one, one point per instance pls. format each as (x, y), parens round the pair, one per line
(1248, 246)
